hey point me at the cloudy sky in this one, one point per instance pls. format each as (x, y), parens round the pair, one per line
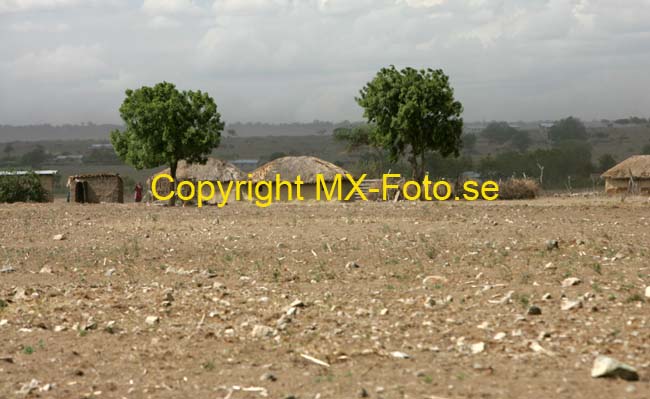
(299, 60)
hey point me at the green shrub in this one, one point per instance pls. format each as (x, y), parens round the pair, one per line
(22, 188)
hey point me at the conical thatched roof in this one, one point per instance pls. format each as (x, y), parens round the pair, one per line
(304, 166)
(637, 166)
(213, 170)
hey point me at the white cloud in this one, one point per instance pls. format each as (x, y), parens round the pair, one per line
(32, 5)
(169, 6)
(280, 60)
(61, 64)
(29, 26)
(163, 22)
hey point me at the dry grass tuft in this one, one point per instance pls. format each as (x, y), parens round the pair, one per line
(514, 189)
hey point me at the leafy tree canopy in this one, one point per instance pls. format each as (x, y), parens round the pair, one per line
(605, 162)
(499, 132)
(568, 129)
(356, 136)
(521, 140)
(164, 126)
(413, 110)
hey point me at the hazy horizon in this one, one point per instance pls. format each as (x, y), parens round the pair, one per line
(69, 61)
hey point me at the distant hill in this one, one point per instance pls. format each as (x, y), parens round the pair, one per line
(91, 131)
(88, 131)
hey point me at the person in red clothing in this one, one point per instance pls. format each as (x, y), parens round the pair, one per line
(137, 197)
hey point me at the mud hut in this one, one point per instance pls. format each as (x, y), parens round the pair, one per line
(629, 176)
(214, 170)
(308, 168)
(96, 188)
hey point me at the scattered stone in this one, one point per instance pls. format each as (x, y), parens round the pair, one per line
(109, 272)
(536, 347)
(534, 310)
(7, 269)
(45, 270)
(477, 348)
(268, 377)
(262, 331)
(647, 291)
(550, 266)
(605, 366)
(152, 320)
(60, 328)
(506, 298)
(499, 336)
(28, 388)
(59, 237)
(571, 281)
(363, 393)
(297, 304)
(552, 244)
(314, 360)
(352, 265)
(400, 355)
(570, 305)
(433, 280)
(429, 302)
(547, 296)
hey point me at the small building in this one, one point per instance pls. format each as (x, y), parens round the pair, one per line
(96, 188)
(214, 170)
(629, 176)
(308, 168)
(46, 177)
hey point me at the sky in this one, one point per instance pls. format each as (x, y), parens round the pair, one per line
(70, 61)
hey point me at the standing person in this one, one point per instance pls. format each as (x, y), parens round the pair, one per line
(137, 197)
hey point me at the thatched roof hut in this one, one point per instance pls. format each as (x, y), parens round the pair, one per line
(96, 188)
(308, 168)
(631, 175)
(213, 170)
(304, 166)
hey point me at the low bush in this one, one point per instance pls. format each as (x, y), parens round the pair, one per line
(22, 188)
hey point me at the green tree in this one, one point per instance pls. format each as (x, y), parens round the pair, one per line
(498, 132)
(567, 129)
(521, 140)
(356, 136)
(8, 150)
(22, 188)
(232, 132)
(469, 142)
(164, 126)
(605, 162)
(415, 111)
(34, 158)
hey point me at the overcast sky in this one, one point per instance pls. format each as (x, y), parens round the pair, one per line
(299, 60)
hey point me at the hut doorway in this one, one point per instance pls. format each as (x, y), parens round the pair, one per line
(80, 189)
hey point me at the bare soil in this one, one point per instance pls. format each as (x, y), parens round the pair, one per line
(430, 281)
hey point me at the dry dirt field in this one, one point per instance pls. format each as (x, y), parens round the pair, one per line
(324, 300)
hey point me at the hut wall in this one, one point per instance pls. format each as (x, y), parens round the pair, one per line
(618, 186)
(101, 189)
(47, 181)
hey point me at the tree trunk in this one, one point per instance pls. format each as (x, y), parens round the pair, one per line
(172, 171)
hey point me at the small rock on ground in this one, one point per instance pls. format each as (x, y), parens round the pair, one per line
(605, 366)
